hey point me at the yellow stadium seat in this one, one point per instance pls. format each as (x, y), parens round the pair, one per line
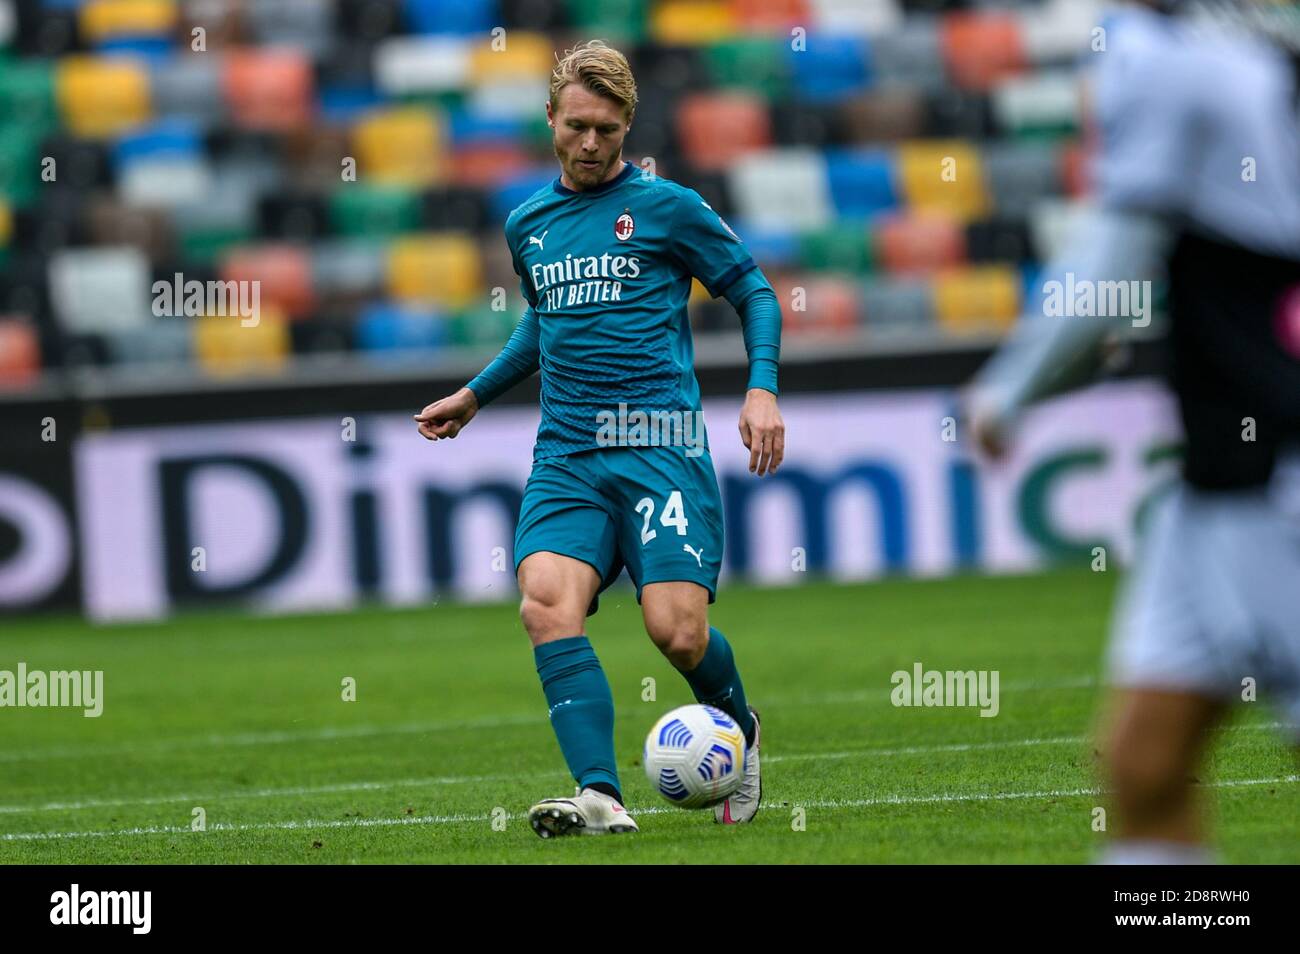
(225, 346)
(442, 269)
(692, 22)
(99, 97)
(528, 56)
(106, 19)
(980, 298)
(943, 176)
(403, 146)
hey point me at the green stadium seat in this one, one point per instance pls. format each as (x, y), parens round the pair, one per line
(843, 247)
(27, 93)
(751, 63)
(20, 163)
(375, 211)
(484, 327)
(621, 20)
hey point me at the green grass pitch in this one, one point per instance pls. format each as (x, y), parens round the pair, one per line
(447, 741)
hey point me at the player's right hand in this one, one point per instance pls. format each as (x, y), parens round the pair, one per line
(989, 429)
(447, 417)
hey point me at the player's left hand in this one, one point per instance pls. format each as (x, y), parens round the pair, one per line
(763, 431)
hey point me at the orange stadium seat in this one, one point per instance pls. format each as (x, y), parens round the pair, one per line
(830, 304)
(717, 128)
(981, 298)
(484, 165)
(909, 244)
(20, 353)
(99, 97)
(981, 48)
(283, 271)
(269, 89)
(756, 15)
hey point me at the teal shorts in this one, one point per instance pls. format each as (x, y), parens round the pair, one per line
(651, 509)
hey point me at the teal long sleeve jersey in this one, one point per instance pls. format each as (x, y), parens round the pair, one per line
(607, 273)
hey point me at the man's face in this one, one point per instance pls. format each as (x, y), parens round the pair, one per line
(588, 136)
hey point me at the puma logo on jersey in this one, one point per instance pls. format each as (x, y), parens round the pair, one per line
(698, 554)
(533, 239)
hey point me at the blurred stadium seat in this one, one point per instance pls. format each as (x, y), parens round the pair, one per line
(904, 162)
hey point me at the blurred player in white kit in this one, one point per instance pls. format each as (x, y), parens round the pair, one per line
(1197, 178)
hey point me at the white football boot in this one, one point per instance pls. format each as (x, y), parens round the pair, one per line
(589, 812)
(743, 806)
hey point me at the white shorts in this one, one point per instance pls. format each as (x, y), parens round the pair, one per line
(1214, 599)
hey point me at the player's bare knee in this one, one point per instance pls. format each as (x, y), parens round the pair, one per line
(547, 616)
(682, 639)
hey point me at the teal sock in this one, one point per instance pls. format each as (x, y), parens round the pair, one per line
(581, 707)
(716, 682)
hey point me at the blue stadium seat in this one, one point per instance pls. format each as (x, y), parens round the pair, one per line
(176, 138)
(386, 331)
(831, 68)
(861, 182)
(771, 248)
(469, 127)
(452, 16)
(346, 104)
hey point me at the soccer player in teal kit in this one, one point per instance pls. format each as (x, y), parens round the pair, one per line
(605, 256)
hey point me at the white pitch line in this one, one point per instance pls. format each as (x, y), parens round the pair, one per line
(833, 804)
(333, 733)
(343, 787)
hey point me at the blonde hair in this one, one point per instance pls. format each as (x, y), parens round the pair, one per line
(601, 69)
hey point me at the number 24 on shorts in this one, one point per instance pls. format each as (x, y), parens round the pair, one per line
(673, 516)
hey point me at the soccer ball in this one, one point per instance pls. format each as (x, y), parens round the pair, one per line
(695, 756)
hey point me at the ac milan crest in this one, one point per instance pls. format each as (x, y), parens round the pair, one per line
(624, 226)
